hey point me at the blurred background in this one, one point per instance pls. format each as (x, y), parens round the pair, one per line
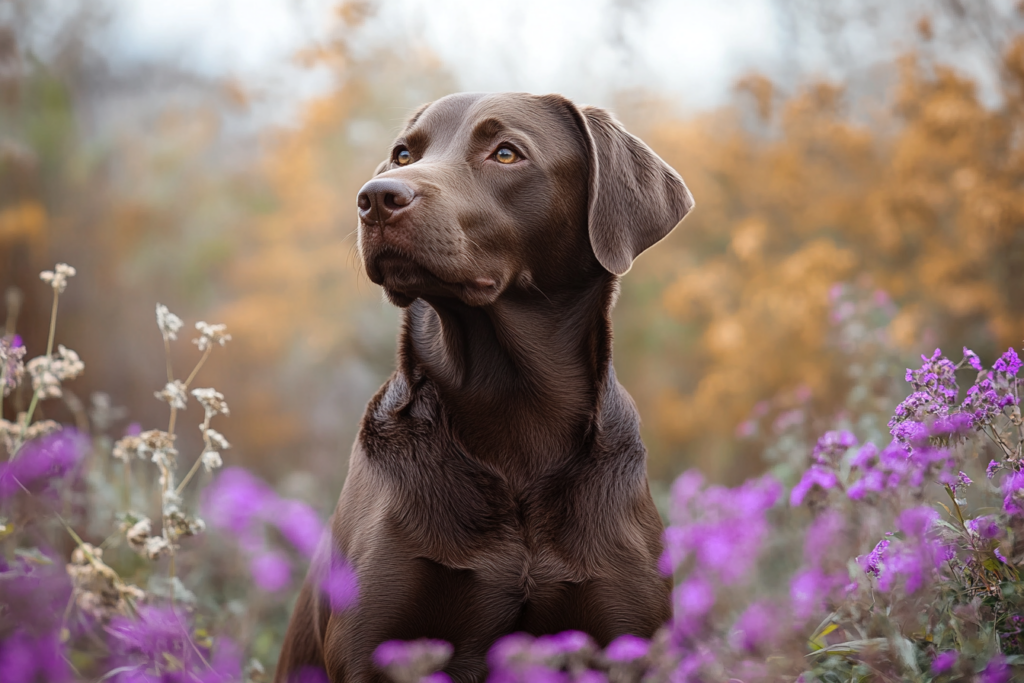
(858, 169)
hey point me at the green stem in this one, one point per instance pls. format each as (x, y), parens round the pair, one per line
(49, 355)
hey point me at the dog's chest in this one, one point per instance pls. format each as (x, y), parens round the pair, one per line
(463, 512)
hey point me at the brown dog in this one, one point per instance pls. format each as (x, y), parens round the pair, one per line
(498, 483)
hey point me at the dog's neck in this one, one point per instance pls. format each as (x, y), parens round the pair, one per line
(521, 379)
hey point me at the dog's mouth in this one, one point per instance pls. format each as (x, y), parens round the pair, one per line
(404, 279)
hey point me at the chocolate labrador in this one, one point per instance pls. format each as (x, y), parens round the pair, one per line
(498, 483)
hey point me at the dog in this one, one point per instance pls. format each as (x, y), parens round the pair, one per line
(498, 483)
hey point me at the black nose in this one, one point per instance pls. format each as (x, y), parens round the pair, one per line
(383, 198)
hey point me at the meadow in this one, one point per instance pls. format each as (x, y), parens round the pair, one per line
(826, 356)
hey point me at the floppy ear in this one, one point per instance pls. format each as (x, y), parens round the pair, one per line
(635, 197)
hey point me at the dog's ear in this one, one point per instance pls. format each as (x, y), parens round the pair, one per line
(636, 199)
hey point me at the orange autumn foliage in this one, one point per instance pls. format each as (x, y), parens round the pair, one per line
(923, 199)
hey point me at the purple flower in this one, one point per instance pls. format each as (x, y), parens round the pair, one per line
(693, 599)
(972, 359)
(821, 536)
(832, 446)
(816, 476)
(984, 527)
(157, 633)
(873, 563)
(997, 671)
(999, 555)
(26, 659)
(627, 648)
(270, 570)
(1013, 490)
(568, 642)
(1008, 362)
(340, 585)
(944, 661)
(993, 467)
(758, 625)
(236, 499)
(300, 524)
(872, 481)
(42, 461)
(694, 596)
(866, 457)
(808, 591)
(917, 521)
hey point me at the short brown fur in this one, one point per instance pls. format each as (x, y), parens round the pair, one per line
(498, 483)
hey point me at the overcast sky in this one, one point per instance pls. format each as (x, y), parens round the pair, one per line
(583, 48)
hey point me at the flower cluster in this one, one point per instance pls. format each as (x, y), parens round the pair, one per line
(244, 506)
(12, 366)
(58, 277)
(48, 372)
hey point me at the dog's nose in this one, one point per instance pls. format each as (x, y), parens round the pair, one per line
(382, 198)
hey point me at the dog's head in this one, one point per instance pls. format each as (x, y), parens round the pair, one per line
(486, 193)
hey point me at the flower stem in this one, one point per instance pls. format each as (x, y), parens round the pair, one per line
(167, 359)
(195, 370)
(35, 393)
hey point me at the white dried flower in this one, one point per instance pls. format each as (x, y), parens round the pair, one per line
(40, 428)
(212, 460)
(12, 367)
(128, 446)
(138, 534)
(59, 279)
(44, 381)
(99, 591)
(158, 446)
(14, 433)
(179, 524)
(212, 400)
(211, 334)
(168, 323)
(69, 365)
(155, 546)
(171, 502)
(216, 438)
(174, 393)
(48, 372)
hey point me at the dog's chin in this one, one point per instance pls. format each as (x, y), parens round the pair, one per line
(405, 280)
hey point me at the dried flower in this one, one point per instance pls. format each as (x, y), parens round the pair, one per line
(212, 460)
(168, 323)
(49, 371)
(99, 591)
(128, 446)
(215, 438)
(212, 401)
(12, 367)
(58, 277)
(210, 335)
(174, 393)
(138, 535)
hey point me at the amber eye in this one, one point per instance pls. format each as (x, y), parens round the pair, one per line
(403, 157)
(506, 155)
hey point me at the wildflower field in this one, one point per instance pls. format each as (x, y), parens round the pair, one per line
(895, 560)
(826, 355)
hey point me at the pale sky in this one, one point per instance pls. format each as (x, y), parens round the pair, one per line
(694, 48)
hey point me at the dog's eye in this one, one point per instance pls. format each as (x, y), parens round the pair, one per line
(403, 157)
(506, 155)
